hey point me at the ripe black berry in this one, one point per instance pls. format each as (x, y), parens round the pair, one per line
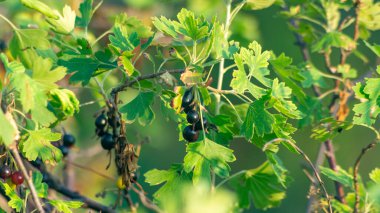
(111, 121)
(198, 125)
(68, 140)
(5, 172)
(187, 98)
(189, 134)
(101, 121)
(100, 132)
(64, 149)
(17, 178)
(192, 116)
(107, 141)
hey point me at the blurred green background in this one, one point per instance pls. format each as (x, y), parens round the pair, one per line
(272, 32)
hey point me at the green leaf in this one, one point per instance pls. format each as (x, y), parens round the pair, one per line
(64, 103)
(74, 64)
(258, 120)
(261, 185)
(8, 132)
(15, 201)
(312, 76)
(38, 145)
(140, 108)
(347, 71)
(375, 175)
(65, 23)
(66, 206)
(290, 74)
(40, 7)
(329, 128)
(122, 40)
(259, 4)
(188, 25)
(127, 64)
(173, 178)
(340, 176)
(367, 111)
(41, 187)
(85, 9)
(375, 48)
(133, 24)
(369, 15)
(334, 39)
(205, 155)
(280, 99)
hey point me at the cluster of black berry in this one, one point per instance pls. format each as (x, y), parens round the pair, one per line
(68, 142)
(16, 176)
(191, 132)
(102, 124)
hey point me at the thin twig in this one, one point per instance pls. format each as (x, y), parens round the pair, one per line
(356, 171)
(145, 201)
(307, 159)
(28, 180)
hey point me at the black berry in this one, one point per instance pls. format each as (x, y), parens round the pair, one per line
(17, 178)
(198, 125)
(187, 98)
(5, 172)
(101, 121)
(192, 116)
(64, 149)
(100, 132)
(107, 141)
(111, 121)
(68, 140)
(189, 134)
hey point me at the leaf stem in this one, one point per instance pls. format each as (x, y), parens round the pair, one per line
(9, 22)
(230, 177)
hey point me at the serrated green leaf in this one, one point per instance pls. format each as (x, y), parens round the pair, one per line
(127, 64)
(205, 155)
(280, 98)
(312, 76)
(140, 108)
(258, 120)
(261, 185)
(64, 103)
(38, 145)
(41, 187)
(340, 175)
(290, 74)
(173, 178)
(367, 111)
(329, 128)
(85, 9)
(122, 40)
(334, 39)
(133, 24)
(347, 71)
(74, 64)
(65, 23)
(15, 201)
(66, 206)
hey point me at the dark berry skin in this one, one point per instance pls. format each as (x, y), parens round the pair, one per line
(189, 134)
(187, 98)
(107, 141)
(68, 140)
(198, 125)
(64, 149)
(192, 116)
(134, 177)
(100, 132)
(101, 121)
(17, 178)
(5, 172)
(111, 122)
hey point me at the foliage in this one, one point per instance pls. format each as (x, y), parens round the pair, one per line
(268, 99)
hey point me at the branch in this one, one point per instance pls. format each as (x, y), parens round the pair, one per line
(128, 83)
(56, 185)
(307, 159)
(28, 180)
(356, 171)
